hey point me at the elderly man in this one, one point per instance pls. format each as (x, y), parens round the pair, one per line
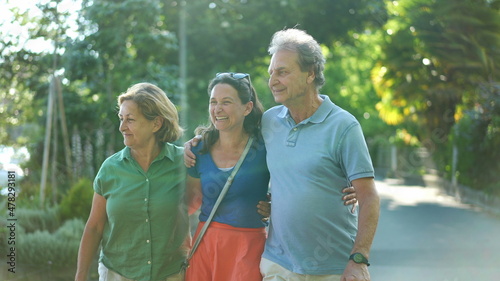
(311, 237)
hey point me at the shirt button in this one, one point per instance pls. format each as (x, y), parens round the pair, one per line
(294, 129)
(147, 220)
(145, 199)
(147, 241)
(149, 262)
(147, 179)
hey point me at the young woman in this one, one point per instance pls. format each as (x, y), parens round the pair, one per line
(233, 243)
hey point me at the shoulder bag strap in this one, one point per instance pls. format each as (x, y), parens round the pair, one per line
(219, 199)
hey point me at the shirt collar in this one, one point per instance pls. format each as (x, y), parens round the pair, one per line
(319, 116)
(125, 154)
(166, 151)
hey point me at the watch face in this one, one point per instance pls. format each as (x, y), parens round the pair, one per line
(358, 258)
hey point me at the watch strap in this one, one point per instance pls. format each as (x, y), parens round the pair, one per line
(359, 258)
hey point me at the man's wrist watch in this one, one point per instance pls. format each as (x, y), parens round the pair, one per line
(359, 258)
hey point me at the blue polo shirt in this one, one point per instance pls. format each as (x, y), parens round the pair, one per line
(311, 231)
(250, 185)
(147, 227)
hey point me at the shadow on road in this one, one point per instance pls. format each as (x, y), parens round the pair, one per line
(424, 234)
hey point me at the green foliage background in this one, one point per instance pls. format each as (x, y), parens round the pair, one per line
(416, 73)
(77, 203)
(420, 75)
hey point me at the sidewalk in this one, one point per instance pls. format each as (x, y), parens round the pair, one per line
(463, 194)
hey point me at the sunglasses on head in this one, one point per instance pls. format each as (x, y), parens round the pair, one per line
(233, 74)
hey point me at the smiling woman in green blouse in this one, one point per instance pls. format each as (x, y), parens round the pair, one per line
(138, 214)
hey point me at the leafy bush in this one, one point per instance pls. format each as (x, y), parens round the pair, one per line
(478, 140)
(28, 193)
(58, 249)
(42, 219)
(5, 234)
(78, 202)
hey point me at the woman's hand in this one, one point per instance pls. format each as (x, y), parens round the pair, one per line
(264, 208)
(350, 198)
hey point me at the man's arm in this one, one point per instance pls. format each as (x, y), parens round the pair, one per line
(369, 210)
(189, 157)
(194, 196)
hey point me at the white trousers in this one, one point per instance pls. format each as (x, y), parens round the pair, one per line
(272, 271)
(109, 275)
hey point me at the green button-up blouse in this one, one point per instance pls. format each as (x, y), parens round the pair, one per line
(146, 237)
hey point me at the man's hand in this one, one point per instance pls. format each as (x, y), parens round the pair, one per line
(356, 272)
(189, 157)
(350, 198)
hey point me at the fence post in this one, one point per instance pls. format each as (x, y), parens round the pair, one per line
(454, 161)
(394, 159)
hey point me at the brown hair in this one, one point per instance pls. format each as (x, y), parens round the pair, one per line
(246, 93)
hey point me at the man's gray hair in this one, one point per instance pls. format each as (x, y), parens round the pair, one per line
(308, 49)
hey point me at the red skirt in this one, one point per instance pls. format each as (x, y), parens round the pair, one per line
(227, 253)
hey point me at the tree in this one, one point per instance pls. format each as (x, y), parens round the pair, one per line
(22, 75)
(26, 72)
(436, 56)
(231, 35)
(124, 43)
(120, 43)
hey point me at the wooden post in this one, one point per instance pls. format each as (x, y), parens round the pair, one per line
(46, 144)
(64, 131)
(454, 165)
(394, 159)
(55, 144)
(183, 67)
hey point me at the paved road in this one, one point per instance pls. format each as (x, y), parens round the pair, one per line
(424, 235)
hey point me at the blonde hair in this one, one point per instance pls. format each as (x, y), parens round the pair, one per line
(152, 103)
